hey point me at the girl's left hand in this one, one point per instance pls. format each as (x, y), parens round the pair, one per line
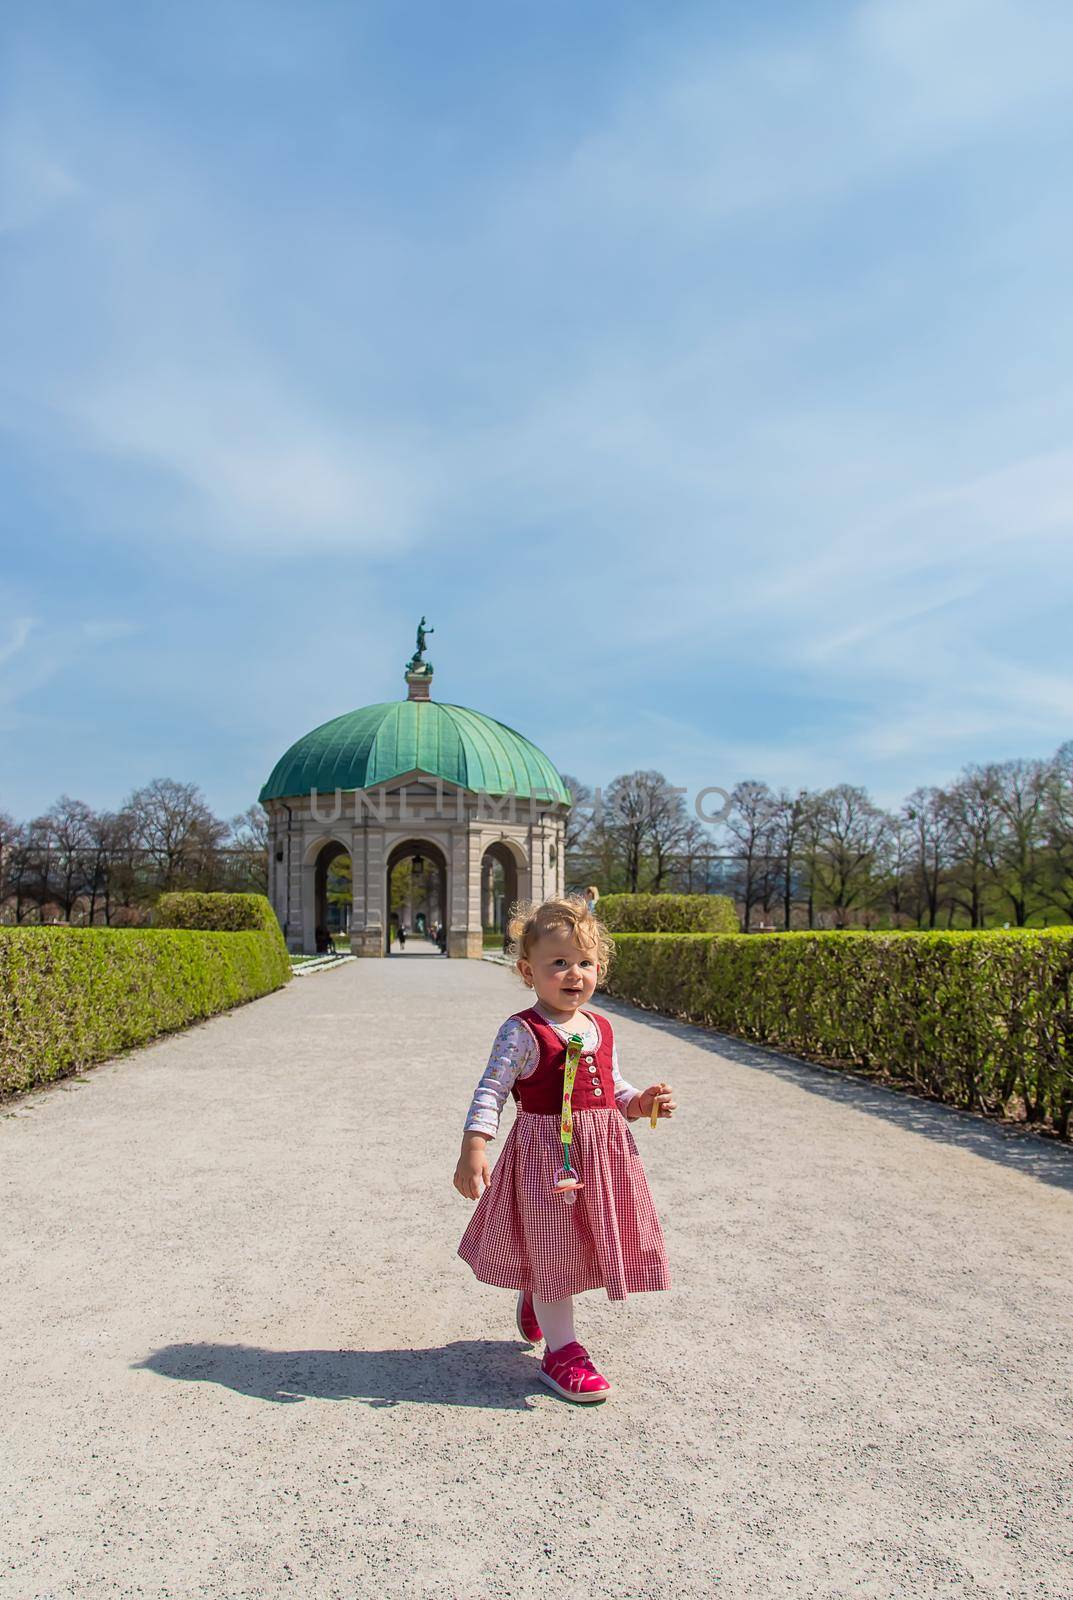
(661, 1092)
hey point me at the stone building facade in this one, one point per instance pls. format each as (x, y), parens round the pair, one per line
(405, 778)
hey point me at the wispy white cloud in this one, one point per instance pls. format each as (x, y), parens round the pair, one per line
(996, 710)
(35, 652)
(19, 631)
(33, 184)
(725, 131)
(248, 462)
(182, 378)
(653, 369)
(105, 630)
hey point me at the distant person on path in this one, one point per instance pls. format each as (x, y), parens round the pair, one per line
(592, 894)
(550, 1243)
(402, 937)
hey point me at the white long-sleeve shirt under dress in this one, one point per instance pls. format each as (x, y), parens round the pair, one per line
(521, 1234)
(516, 1054)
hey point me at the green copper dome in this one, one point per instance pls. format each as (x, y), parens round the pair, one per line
(367, 747)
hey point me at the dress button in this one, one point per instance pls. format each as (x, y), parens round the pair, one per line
(597, 1091)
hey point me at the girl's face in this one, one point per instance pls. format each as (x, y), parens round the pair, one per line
(563, 973)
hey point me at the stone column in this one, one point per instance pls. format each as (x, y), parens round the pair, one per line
(308, 901)
(292, 866)
(464, 937)
(367, 863)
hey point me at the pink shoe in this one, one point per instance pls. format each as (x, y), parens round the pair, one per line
(570, 1373)
(525, 1317)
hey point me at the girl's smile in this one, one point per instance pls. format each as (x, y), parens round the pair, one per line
(568, 1143)
(563, 973)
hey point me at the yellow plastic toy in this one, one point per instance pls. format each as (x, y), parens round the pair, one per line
(567, 1182)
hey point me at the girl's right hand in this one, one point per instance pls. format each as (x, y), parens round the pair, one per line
(471, 1173)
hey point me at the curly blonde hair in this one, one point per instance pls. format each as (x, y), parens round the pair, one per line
(530, 919)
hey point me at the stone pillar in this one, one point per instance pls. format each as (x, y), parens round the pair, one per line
(487, 895)
(293, 851)
(464, 937)
(277, 870)
(367, 922)
(536, 847)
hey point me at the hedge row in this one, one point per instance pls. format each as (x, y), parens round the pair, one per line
(73, 996)
(217, 913)
(668, 913)
(979, 1020)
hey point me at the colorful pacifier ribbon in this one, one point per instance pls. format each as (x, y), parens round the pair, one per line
(574, 1046)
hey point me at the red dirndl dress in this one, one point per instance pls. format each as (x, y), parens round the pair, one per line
(523, 1235)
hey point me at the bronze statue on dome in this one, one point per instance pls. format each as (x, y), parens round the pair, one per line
(416, 662)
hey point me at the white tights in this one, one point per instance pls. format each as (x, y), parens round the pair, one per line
(556, 1318)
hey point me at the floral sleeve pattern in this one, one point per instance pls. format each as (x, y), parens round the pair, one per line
(514, 1055)
(624, 1092)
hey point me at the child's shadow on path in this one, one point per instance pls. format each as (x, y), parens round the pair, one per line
(471, 1372)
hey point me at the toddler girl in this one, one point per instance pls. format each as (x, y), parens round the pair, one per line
(525, 1234)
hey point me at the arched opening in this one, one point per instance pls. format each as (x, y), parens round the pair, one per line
(499, 888)
(332, 896)
(416, 899)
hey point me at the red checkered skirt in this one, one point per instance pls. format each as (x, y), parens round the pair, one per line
(523, 1235)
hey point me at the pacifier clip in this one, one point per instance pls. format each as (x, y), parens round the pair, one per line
(567, 1182)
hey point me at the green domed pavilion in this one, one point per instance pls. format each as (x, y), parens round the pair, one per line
(469, 798)
(377, 743)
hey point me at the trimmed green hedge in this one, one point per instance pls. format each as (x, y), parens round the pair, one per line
(977, 1019)
(217, 913)
(73, 996)
(668, 913)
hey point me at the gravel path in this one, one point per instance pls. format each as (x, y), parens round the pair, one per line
(241, 1358)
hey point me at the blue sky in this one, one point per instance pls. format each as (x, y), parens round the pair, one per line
(702, 371)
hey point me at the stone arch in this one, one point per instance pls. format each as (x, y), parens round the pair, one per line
(316, 859)
(426, 847)
(330, 794)
(341, 841)
(495, 908)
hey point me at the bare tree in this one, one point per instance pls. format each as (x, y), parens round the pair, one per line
(972, 815)
(177, 831)
(785, 835)
(932, 831)
(668, 830)
(853, 831)
(693, 858)
(627, 824)
(247, 858)
(103, 857)
(249, 829)
(20, 870)
(628, 821)
(9, 843)
(1058, 829)
(579, 818)
(750, 824)
(69, 825)
(589, 851)
(901, 887)
(40, 869)
(1015, 854)
(811, 831)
